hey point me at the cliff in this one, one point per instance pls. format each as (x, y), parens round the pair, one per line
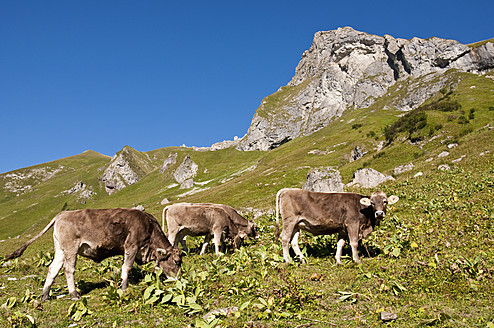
(345, 69)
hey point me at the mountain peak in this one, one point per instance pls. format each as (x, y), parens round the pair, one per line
(346, 69)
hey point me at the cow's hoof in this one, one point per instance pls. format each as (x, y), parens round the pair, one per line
(44, 297)
(75, 296)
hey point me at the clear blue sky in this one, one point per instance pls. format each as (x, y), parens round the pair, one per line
(78, 75)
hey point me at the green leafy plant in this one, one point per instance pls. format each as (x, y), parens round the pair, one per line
(19, 319)
(180, 291)
(10, 303)
(44, 259)
(78, 309)
(270, 308)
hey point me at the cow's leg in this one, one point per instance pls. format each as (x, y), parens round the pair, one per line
(286, 237)
(183, 242)
(339, 247)
(129, 257)
(223, 244)
(295, 247)
(353, 236)
(217, 241)
(53, 270)
(69, 268)
(205, 243)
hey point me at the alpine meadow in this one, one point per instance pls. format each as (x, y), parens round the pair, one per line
(412, 118)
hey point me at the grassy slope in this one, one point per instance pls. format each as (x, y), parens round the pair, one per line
(422, 263)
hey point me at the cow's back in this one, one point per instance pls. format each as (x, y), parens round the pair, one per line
(197, 219)
(104, 228)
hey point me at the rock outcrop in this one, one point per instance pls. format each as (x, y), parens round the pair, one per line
(81, 190)
(169, 161)
(185, 172)
(324, 180)
(125, 168)
(403, 168)
(345, 69)
(369, 178)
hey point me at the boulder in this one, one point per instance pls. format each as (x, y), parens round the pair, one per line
(369, 178)
(324, 180)
(185, 172)
(444, 167)
(403, 168)
(443, 154)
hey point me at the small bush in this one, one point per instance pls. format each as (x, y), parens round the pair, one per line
(411, 122)
(356, 126)
(471, 114)
(463, 120)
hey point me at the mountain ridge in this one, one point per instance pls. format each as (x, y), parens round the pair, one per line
(345, 69)
(250, 178)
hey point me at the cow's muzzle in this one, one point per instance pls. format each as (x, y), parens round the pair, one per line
(380, 214)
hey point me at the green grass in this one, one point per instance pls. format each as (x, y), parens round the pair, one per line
(430, 262)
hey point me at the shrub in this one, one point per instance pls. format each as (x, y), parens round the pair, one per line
(411, 122)
(471, 114)
(463, 120)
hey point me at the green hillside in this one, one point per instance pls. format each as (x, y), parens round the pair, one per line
(431, 262)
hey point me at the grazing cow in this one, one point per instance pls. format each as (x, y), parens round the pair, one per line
(102, 233)
(215, 221)
(348, 214)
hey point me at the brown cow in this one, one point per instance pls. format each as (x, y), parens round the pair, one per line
(215, 221)
(348, 214)
(102, 233)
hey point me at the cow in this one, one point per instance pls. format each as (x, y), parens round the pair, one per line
(215, 221)
(102, 233)
(348, 214)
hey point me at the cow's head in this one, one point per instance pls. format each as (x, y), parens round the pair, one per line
(252, 233)
(378, 202)
(170, 260)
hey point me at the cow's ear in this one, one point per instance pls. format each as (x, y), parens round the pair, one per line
(393, 199)
(365, 201)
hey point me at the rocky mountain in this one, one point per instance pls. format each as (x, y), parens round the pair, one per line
(374, 86)
(345, 69)
(127, 167)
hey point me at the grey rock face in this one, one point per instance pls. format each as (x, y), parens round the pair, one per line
(185, 172)
(345, 69)
(324, 180)
(81, 190)
(169, 161)
(121, 172)
(403, 168)
(369, 178)
(357, 153)
(224, 144)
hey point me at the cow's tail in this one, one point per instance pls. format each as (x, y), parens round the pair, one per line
(18, 252)
(277, 224)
